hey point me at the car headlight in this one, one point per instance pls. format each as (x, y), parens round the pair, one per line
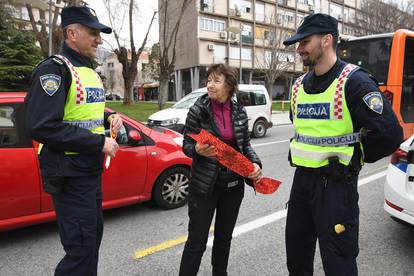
(179, 140)
(168, 122)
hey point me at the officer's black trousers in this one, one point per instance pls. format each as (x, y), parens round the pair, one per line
(79, 217)
(319, 201)
(226, 203)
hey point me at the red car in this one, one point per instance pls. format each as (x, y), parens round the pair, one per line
(151, 165)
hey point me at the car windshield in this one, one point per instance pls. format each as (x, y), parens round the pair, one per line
(188, 101)
(370, 54)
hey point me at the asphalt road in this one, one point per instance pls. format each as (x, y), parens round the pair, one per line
(144, 240)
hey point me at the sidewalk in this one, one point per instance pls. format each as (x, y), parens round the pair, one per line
(280, 118)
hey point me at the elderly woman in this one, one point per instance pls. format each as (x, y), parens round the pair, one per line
(213, 187)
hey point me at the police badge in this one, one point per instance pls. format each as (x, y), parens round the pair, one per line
(50, 83)
(374, 101)
(92, 12)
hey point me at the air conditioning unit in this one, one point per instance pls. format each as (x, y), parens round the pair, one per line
(238, 12)
(233, 36)
(223, 35)
(340, 17)
(311, 9)
(210, 47)
(279, 21)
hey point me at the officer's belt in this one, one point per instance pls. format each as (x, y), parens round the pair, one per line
(87, 124)
(341, 140)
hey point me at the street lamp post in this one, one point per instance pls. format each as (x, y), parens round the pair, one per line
(240, 62)
(50, 27)
(238, 30)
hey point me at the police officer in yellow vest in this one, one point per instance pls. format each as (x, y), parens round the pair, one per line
(341, 120)
(65, 112)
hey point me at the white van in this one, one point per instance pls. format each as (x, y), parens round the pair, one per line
(254, 97)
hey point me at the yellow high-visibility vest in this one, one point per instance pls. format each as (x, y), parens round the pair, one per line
(85, 102)
(323, 124)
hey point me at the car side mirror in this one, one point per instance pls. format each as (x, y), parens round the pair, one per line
(134, 137)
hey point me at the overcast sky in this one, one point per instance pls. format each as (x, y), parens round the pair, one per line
(143, 18)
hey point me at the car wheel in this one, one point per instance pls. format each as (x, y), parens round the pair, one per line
(259, 128)
(171, 189)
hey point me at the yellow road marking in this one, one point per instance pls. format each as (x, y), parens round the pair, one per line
(162, 246)
(138, 254)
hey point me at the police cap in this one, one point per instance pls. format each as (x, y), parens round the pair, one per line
(83, 15)
(318, 23)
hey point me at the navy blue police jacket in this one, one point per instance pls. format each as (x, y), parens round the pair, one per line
(384, 133)
(44, 123)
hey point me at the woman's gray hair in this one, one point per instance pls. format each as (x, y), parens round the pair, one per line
(230, 76)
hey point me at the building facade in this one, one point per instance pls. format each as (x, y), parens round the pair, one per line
(40, 8)
(111, 69)
(237, 32)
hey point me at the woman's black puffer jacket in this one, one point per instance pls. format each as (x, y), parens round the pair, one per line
(204, 170)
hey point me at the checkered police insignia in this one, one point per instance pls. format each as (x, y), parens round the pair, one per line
(295, 92)
(338, 100)
(80, 91)
(374, 101)
(50, 83)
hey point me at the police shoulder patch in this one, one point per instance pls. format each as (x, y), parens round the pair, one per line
(374, 101)
(50, 83)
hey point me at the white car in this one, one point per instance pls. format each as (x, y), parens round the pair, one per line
(254, 97)
(399, 185)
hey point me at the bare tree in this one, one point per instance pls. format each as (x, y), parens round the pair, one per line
(276, 57)
(40, 27)
(170, 21)
(111, 80)
(379, 17)
(127, 57)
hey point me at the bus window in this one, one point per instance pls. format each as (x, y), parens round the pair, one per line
(407, 96)
(371, 54)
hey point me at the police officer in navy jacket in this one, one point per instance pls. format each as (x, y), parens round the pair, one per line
(65, 113)
(341, 120)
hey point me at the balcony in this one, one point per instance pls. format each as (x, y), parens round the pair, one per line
(247, 39)
(282, 2)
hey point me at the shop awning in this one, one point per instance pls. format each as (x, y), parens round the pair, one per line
(151, 85)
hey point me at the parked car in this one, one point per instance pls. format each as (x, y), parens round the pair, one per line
(149, 165)
(254, 97)
(113, 97)
(399, 184)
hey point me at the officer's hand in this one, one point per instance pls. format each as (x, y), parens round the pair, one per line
(116, 121)
(256, 174)
(205, 150)
(110, 147)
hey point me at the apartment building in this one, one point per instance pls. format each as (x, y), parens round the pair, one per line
(235, 32)
(39, 7)
(111, 69)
